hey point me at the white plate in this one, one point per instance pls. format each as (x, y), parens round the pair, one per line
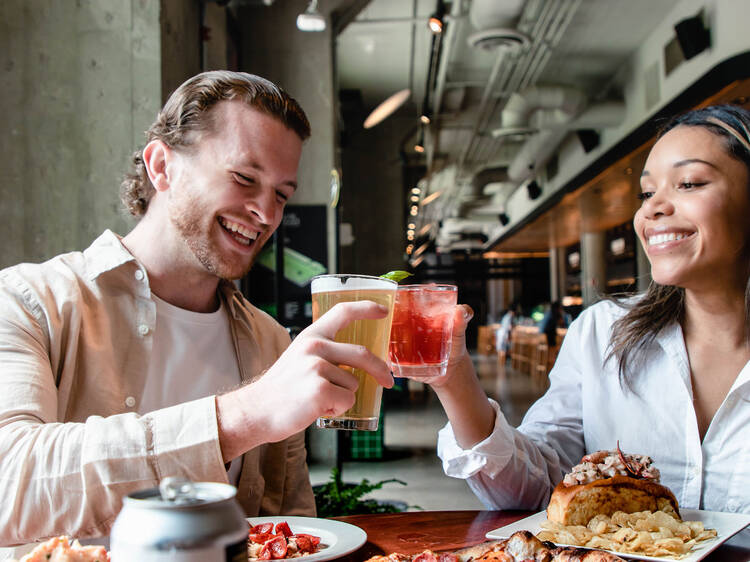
(726, 525)
(336, 537)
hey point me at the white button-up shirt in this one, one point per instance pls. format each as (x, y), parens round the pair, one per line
(586, 409)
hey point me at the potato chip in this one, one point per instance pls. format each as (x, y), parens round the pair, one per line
(658, 534)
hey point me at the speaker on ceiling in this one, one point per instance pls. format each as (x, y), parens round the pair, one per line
(589, 139)
(533, 190)
(504, 218)
(692, 36)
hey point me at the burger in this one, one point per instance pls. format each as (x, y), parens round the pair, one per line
(605, 482)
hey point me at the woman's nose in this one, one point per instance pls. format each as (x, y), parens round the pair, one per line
(657, 205)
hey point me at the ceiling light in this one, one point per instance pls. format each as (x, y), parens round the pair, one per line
(386, 108)
(424, 118)
(414, 211)
(425, 229)
(311, 19)
(412, 226)
(431, 197)
(416, 191)
(435, 23)
(419, 146)
(414, 198)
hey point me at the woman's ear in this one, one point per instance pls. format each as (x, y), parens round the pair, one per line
(156, 156)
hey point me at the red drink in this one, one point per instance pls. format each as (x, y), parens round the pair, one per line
(422, 329)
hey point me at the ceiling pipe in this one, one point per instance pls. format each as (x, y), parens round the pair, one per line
(521, 105)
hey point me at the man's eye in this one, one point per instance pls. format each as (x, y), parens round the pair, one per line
(282, 196)
(244, 180)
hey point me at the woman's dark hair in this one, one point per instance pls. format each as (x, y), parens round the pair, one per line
(662, 305)
(187, 113)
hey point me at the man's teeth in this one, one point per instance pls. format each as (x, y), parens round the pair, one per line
(661, 238)
(238, 228)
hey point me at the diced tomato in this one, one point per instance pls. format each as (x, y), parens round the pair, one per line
(447, 557)
(304, 544)
(265, 552)
(262, 528)
(277, 546)
(425, 556)
(313, 539)
(282, 528)
(260, 538)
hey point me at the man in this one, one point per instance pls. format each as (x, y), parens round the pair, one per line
(112, 359)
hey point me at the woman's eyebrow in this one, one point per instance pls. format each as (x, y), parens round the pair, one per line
(685, 163)
(693, 161)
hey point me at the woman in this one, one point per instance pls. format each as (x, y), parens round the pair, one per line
(666, 373)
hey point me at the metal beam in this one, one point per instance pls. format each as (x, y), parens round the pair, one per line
(341, 19)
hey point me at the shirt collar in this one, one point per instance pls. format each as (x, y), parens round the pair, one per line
(105, 254)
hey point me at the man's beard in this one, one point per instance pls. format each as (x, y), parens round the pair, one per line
(194, 224)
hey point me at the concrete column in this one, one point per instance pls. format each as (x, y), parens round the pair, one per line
(593, 266)
(642, 267)
(81, 83)
(556, 273)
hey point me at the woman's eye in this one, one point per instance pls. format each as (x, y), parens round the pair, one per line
(690, 184)
(643, 195)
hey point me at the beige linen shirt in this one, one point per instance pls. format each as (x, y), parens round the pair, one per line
(75, 342)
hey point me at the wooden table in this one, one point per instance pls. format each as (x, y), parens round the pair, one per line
(413, 532)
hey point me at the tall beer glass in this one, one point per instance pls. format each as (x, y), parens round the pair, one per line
(328, 290)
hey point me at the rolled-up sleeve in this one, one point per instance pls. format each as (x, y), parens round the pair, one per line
(518, 468)
(69, 478)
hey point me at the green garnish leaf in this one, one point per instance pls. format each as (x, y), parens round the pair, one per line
(397, 276)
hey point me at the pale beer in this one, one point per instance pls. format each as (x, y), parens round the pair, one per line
(329, 290)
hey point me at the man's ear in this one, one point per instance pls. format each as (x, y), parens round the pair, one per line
(156, 157)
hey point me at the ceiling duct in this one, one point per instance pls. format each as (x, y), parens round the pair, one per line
(489, 39)
(487, 176)
(486, 14)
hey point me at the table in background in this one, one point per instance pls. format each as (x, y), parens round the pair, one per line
(413, 532)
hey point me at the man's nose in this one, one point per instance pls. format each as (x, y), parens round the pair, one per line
(262, 204)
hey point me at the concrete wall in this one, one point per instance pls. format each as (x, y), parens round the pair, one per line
(80, 85)
(302, 64)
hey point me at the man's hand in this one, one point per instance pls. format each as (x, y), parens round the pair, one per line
(306, 382)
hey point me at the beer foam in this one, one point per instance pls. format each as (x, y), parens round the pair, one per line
(325, 283)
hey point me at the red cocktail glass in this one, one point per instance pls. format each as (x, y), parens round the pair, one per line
(422, 329)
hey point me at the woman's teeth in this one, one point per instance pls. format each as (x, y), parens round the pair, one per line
(661, 238)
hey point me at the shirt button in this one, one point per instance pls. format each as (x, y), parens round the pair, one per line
(139, 274)
(130, 401)
(143, 329)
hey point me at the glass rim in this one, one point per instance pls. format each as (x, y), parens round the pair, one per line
(429, 286)
(341, 282)
(354, 275)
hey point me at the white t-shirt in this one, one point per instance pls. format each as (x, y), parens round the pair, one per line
(193, 357)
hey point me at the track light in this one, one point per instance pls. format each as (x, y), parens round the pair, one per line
(424, 118)
(419, 146)
(386, 108)
(533, 190)
(311, 19)
(436, 22)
